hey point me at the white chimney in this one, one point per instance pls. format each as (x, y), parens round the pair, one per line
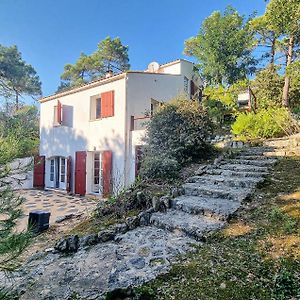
(109, 73)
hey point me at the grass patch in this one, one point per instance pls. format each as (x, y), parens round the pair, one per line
(256, 257)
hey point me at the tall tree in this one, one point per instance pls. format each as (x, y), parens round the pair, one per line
(111, 54)
(223, 48)
(284, 16)
(17, 78)
(267, 36)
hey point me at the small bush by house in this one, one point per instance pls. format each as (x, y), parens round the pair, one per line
(176, 135)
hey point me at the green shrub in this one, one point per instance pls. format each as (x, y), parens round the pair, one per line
(266, 123)
(160, 167)
(176, 135)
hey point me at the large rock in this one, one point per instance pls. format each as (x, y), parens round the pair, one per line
(68, 244)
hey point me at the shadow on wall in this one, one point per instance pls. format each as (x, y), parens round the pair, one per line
(61, 141)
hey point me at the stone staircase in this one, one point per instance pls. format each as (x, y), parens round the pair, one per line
(210, 198)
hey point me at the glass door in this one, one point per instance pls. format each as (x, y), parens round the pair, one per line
(62, 175)
(52, 172)
(97, 171)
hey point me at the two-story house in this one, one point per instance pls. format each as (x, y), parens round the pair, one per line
(90, 136)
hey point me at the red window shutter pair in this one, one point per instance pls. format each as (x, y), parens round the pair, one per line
(107, 104)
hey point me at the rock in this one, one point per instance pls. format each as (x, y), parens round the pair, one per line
(155, 203)
(240, 144)
(63, 218)
(140, 197)
(218, 159)
(138, 262)
(49, 250)
(144, 218)
(201, 170)
(165, 202)
(132, 222)
(106, 235)
(121, 228)
(68, 244)
(89, 240)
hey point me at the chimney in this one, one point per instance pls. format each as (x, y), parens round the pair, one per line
(109, 73)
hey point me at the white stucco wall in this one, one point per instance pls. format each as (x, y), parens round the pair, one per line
(21, 175)
(82, 134)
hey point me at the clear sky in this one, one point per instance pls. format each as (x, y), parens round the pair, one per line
(51, 33)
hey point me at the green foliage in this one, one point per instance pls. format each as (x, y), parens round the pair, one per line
(220, 101)
(185, 125)
(17, 78)
(111, 54)
(223, 48)
(266, 37)
(283, 16)
(267, 123)
(160, 166)
(19, 134)
(268, 87)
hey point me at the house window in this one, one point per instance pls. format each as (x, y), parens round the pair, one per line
(186, 84)
(102, 106)
(154, 106)
(98, 108)
(63, 170)
(52, 170)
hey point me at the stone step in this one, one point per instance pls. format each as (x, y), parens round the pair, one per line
(283, 153)
(225, 180)
(213, 191)
(213, 207)
(257, 162)
(196, 226)
(250, 156)
(240, 174)
(257, 150)
(242, 168)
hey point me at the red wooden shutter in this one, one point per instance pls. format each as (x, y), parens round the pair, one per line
(69, 174)
(39, 172)
(80, 173)
(107, 104)
(59, 112)
(107, 172)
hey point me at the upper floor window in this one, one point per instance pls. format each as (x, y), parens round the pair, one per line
(102, 106)
(154, 106)
(98, 108)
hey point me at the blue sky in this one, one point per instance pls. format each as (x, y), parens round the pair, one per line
(51, 33)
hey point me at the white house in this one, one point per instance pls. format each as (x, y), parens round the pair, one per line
(91, 135)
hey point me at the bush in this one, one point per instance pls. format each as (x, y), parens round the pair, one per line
(266, 123)
(176, 135)
(161, 166)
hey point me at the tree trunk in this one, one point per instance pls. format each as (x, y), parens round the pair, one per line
(287, 80)
(17, 101)
(273, 46)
